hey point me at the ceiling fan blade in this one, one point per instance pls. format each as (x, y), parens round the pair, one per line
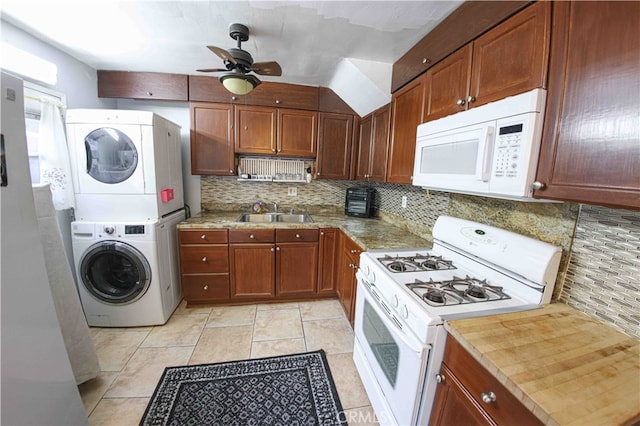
(212, 70)
(267, 68)
(223, 54)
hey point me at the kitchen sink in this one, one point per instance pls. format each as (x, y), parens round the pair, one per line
(274, 217)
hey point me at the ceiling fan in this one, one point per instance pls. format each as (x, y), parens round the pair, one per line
(239, 63)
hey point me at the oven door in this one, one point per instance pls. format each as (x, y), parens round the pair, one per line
(394, 356)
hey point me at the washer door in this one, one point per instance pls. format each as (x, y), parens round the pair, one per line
(115, 272)
(111, 155)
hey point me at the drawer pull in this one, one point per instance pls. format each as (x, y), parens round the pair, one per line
(488, 397)
(204, 259)
(252, 236)
(206, 287)
(203, 237)
(297, 235)
(354, 251)
(439, 378)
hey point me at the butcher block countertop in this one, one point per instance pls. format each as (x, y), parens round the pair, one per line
(566, 367)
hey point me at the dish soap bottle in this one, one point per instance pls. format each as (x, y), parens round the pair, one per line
(257, 207)
(308, 174)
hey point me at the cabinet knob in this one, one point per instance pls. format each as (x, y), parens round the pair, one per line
(233, 98)
(426, 61)
(204, 259)
(470, 99)
(297, 235)
(203, 237)
(230, 171)
(321, 233)
(354, 251)
(278, 101)
(488, 397)
(205, 287)
(246, 127)
(277, 248)
(439, 378)
(317, 173)
(538, 185)
(252, 236)
(149, 94)
(273, 150)
(273, 249)
(460, 102)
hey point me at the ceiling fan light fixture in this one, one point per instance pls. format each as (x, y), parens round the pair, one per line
(239, 84)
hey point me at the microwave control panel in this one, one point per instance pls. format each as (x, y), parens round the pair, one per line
(508, 149)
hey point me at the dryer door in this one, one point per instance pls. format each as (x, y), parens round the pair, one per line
(109, 159)
(115, 272)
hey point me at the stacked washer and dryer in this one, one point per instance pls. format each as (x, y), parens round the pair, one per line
(127, 177)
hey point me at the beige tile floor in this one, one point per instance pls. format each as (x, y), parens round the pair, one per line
(133, 359)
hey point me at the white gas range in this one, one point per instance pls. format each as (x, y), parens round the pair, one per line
(404, 296)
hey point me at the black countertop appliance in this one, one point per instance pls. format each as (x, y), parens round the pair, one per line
(359, 201)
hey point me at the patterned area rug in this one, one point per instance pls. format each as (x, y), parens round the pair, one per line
(284, 390)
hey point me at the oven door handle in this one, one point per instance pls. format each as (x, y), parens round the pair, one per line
(409, 341)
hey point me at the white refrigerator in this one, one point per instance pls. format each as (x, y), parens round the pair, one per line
(37, 386)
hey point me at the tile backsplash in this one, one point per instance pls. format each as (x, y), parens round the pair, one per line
(603, 276)
(600, 267)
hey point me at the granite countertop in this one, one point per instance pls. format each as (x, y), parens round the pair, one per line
(370, 234)
(566, 367)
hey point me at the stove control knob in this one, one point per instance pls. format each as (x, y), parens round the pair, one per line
(396, 301)
(405, 311)
(109, 230)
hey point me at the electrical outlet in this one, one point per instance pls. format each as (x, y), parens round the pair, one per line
(293, 191)
(404, 201)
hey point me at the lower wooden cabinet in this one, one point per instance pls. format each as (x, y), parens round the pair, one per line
(348, 261)
(204, 264)
(468, 394)
(328, 250)
(271, 263)
(245, 265)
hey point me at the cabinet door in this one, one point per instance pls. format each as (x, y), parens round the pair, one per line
(381, 121)
(252, 270)
(212, 150)
(335, 136)
(327, 259)
(142, 85)
(297, 131)
(513, 57)
(364, 147)
(255, 130)
(590, 149)
(448, 84)
(452, 405)
(296, 269)
(406, 113)
(346, 280)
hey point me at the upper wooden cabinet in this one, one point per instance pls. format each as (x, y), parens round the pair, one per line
(275, 131)
(143, 85)
(270, 94)
(509, 59)
(212, 147)
(255, 130)
(373, 141)
(467, 22)
(591, 139)
(406, 113)
(335, 137)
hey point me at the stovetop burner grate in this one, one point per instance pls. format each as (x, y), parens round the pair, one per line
(418, 262)
(457, 291)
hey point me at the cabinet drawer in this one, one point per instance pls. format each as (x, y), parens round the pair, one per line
(205, 287)
(196, 259)
(506, 408)
(296, 235)
(199, 236)
(252, 235)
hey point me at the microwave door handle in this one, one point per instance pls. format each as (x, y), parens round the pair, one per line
(485, 154)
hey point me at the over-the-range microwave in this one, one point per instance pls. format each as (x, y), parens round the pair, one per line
(490, 150)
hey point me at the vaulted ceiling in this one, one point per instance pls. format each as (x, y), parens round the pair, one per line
(319, 43)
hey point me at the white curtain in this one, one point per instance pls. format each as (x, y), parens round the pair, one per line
(54, 156)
